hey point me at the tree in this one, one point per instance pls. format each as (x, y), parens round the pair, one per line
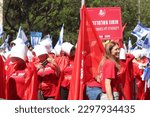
(48, 16)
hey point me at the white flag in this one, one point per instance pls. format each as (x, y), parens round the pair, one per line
(60, 41)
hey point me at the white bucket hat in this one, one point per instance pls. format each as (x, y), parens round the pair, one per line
(122, 54)
(66, 47)
(20, 51)
(39, 50)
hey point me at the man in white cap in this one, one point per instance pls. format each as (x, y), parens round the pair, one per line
(48, 72)
(21, 78)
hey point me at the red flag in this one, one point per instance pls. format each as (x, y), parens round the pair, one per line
(124, 26)
(87, 57)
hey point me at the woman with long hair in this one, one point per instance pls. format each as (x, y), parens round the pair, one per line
(109, 68)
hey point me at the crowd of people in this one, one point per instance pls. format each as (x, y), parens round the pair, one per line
(39, 73)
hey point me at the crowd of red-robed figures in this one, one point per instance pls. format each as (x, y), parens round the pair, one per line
(20, 79)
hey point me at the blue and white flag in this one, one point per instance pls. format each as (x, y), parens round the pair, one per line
(129, 45)
(35, 38)
(140, 31)
(21, 34)
(60, 41)
(5, 45)
(139, 43)
(146, 43)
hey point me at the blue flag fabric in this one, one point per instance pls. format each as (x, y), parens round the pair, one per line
(5, 45)
(139, 43)
(146, 43)
(140, 31)
(35, 38)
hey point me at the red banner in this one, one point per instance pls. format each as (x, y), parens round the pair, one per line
(107, 22)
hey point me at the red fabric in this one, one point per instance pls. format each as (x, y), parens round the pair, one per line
(124, 26)
(2, 78)
(22, 84)
(47, 78)
(139, 83)
(127, 76)
(62, 63)
(109, 71)
(88, 54)
(67, 74)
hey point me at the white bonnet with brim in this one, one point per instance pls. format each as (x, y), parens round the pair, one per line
(39, 50)
(137, 53)
(46, 42)
(18, 41)
(66, 47)
(19, 51)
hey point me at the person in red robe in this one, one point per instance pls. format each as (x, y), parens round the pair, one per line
(21, 77)
(48, 72)
(68, 51)
(139, 64)
(126, 76)
(2, 79)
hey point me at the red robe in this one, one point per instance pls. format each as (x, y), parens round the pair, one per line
(22, 82)
(2, 79)
(139, 83)
(48, 79)
(127, 77)
(63, 62)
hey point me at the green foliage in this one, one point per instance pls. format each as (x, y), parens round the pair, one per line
(48, 16)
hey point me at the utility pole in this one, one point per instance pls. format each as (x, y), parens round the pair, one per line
(139, 10)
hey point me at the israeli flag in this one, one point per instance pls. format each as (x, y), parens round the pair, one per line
(139, 43)
(140, 31)
(146, 43)
(21, 34)
(60, 41)
(5, 45)
(35, 38)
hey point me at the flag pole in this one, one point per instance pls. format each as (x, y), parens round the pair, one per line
(82, 3)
